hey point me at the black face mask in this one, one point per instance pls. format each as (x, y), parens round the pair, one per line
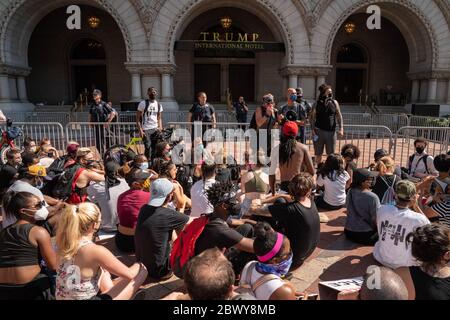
(152, 96)
(420, 150)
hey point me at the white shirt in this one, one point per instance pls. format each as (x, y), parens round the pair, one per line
(334, 193)
(394, 225)
(20, 186)
(97, 194)
(418, 165)
(200, 202)
(150, 118)
(265, 291)
(46, 162)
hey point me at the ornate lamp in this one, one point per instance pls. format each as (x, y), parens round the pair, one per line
(94, 22)
(226, 22)
(350, 27)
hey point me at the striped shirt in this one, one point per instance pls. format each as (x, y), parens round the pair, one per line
(443, 209)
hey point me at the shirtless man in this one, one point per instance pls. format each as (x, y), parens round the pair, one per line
(291, 156)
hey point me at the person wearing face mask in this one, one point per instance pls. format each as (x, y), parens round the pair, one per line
(32, 181)
(105, 194)
(149, 121)
(154, 228)
(296, 112)
(421, 164)
(265, 276)
(29, 146)
(362, 205)
(21, 244)
(128, 206)
(83, 174)
(325, 117)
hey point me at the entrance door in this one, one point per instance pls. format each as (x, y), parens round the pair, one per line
(242, 81)
(349, 82)
(90, 78)
(207, 79)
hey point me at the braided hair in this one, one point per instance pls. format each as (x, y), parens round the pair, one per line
(220, 192)
(287, 149)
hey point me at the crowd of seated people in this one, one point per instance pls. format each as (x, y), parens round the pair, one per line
(253, 234)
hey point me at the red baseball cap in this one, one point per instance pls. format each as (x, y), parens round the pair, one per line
(290, 129)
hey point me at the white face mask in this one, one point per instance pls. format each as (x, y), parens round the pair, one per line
(41, 214)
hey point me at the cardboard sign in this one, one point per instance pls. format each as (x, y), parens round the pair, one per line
(330, 290)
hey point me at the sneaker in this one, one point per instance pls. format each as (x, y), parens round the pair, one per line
(323, 218)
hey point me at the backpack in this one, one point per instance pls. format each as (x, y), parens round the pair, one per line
(65, 185)
(424, 159)
(389, 195)
(245, 286)
(184, 247)
(185, 178)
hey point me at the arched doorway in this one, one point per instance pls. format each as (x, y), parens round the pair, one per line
(244, 57)
(88, 67)
(370, 66)
(352, 70)
(64, 62)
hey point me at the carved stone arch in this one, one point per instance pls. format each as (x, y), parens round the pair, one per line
(267, 6)
(11, 30)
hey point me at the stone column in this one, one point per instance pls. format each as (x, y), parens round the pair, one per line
(293, 81)
(5, 93)
(415, 91)
(432, 91)
(136, 87)
(22, 89)
(166, 86)
(448, 91)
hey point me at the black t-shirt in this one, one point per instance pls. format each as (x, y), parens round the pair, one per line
(7, 174)
(301, 225)
(429, 288)
(202, 113)
(326, 115)
(218, 234)
(152, 238)
(99, 112)
(240, 108)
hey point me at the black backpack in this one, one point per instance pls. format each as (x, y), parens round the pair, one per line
(63, 187)
(424, 159)
(185, 176)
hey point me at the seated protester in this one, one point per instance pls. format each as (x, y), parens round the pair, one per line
(351, 154)
(298, 220)
(265, 276)
(47, 156)
(391, 287)
(140, 162)
(155, 226)
(9, 172)
(430, 280)
(105, 194)
(290, 156)
(200, 203)
(128, 206)
(254, 186)
(421, 165)
(84, 174)
(29, 146)
(394, 223)
(220, 232)
(22, 245)
(29, 159)
(163, 152)
(440, 184)
(386, 180)
(362, 206)
(208, 277)
(381, 153)
(85, 268)
(334, 180)
(31, 181)
(168, 171)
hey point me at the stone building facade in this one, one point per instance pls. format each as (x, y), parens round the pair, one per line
(143, 43)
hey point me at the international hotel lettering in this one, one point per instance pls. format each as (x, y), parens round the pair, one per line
(235, 41)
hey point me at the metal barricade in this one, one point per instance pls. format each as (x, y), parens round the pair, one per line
(39, 131)
(392, 121)
(439, 142)
(53, 117)
(101, 136)
(430, 122)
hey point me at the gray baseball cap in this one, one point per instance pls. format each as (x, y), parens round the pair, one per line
(159, 192)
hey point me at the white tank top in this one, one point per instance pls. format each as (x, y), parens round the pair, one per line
(264, 291)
